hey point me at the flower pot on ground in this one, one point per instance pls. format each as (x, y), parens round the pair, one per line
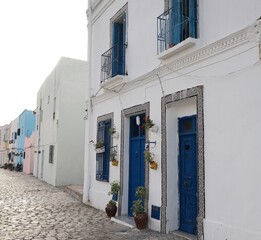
(111, 209)
(5, 166)
(140, 217)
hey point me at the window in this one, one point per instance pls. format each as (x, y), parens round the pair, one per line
(176, 24)
(18, 132)
(113, 61)
(103, 159)
(51, 152)
(54, 107)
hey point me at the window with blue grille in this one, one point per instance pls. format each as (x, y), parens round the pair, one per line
(103, 159)
(178, 23)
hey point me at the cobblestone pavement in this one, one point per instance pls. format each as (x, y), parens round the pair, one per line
(32, 209)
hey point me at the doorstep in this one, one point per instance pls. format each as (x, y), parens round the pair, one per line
(179, 235)
(124, 220)
(75, 191)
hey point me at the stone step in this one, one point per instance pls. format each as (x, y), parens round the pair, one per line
(76, 191)
(179, 235)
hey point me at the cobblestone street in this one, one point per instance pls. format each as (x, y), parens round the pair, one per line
(32, 209)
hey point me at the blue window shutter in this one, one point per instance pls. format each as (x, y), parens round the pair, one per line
(193, 18)
(175, 23)
(115, 49)
(123, 46)
(103, 159)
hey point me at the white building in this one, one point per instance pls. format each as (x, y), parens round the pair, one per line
(195, 70)
(13, 140)
(59, 157)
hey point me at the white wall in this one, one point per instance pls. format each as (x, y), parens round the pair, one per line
(67, 84)
(231, 81)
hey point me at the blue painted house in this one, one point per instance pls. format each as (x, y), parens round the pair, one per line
(26, 125)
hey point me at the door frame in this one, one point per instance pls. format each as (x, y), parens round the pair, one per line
(176, 97)
(124, 155)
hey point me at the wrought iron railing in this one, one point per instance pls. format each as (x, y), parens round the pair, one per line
(175, 25)
(113, 62)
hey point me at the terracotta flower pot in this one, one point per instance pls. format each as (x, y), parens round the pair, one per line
(153, 165)
(111, 211)
(114, 162)
(141, 220)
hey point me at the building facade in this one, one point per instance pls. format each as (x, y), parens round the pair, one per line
(29, 151)
(196, 74)
(60, 130)
(26, 126)
(4, 144)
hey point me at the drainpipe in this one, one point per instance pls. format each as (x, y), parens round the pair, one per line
(87, 160)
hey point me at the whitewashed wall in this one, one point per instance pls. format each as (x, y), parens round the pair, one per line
(231, 81)
(66, 83)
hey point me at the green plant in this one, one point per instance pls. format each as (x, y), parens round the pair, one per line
(115, 188)
(113, 155)
(111, 203)
(137, 206)
(99, 144)
(112, 130)
(148, 123)
(5, 166)
(148, 156)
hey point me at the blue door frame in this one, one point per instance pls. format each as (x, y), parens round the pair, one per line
(136, 159)
(188, 174)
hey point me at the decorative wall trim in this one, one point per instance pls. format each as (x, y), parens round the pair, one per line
(222, 45)
(128, 112)
(171, 98)
(212, 49)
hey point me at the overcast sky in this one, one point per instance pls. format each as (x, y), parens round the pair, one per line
(34, 35)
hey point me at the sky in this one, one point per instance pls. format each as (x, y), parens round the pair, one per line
(34, 35)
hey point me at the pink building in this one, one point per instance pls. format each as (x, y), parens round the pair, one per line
(29, 154)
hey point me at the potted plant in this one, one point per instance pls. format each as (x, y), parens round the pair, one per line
(113, 157)
(150, 158)
(115, 188)
(111, 209)
(100, 147)
(113, 133)
(10, 166)
(5, 166)
(140, 217)
(148, 123)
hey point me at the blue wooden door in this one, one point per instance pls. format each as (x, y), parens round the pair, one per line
(136, 159)
(188, 174)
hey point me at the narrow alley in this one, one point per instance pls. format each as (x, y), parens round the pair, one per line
(32, 209)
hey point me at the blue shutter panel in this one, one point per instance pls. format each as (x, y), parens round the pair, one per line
(123, 45)
(175, 23)
(103, 159)
(193, 18)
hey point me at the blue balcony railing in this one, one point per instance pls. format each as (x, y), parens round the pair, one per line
(113, 62)
(176, 24)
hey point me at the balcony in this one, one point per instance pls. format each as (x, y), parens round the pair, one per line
(175, 25)
(113, 62)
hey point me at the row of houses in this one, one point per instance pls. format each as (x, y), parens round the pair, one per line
(17, 141)
(192, 68)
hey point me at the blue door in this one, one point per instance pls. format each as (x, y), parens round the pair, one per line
(136, 159)
(188, 174)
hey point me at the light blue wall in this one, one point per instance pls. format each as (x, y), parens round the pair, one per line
(26, 124)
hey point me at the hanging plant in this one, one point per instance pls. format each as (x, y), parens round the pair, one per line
(148, 123)
(113, 157)
(148, 156)
(99, 147)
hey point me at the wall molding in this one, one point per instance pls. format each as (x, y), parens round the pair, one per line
(234, 40)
